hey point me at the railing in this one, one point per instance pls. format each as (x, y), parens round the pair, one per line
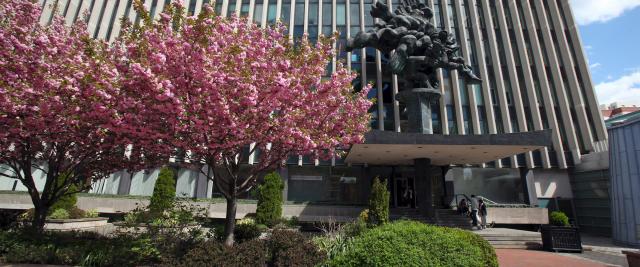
(490, 203)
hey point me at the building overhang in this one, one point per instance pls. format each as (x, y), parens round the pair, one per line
(393, 148)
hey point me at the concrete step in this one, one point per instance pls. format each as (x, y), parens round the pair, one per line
(512, 238)
(516, 246)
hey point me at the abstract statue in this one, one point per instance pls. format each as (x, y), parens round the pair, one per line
(417, 49)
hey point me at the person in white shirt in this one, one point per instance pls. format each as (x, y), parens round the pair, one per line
(474, 210)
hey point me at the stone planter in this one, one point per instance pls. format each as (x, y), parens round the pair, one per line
(143, 227)
(75, 224)
(633, 258)
(560, 238)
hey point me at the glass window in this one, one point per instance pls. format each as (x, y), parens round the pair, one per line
(354, 9)
(313, 14)
(271, 13)
(257, 13)
(341, 15)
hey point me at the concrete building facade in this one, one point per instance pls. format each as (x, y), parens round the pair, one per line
(528, 53)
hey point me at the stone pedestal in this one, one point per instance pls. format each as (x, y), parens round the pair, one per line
(424, 198)
(418, 102)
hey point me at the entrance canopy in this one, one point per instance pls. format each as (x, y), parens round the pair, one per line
(393, 148)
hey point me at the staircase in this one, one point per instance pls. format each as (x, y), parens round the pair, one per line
(497, 237)
(451, 218)
(511, 238)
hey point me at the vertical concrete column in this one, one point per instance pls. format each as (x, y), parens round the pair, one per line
(124, 185)
(528, 77)
(528, 186)
(424, 188)
(497, 71)
(394, 88)
(563, 98)
(284, 173)
(571, 77)
(545, 87)
(581, 62)
(225, 7)
(109, 9)
(463, 43)
(513, 76)
(202, 183)
(453, 74)
(115, 30)
(444, 122)
(484, 74)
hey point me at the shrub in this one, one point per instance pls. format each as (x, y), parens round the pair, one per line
(378, 203)
(164, 193)
(59, 214)
(558, 218)
(92, 213)
(247, 229)
(67, 201)
(250, 253)
(269, 195)
(407, 243)
(76, 213)
(291, 248)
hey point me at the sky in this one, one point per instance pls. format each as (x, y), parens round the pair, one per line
(610, 31)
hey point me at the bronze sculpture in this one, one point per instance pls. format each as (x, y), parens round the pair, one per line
(417, 49)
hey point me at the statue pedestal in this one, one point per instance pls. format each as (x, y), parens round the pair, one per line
(418, 102)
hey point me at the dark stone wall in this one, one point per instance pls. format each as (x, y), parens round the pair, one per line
(591, 199)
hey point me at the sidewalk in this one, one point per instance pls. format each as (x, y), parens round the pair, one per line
(531, 258)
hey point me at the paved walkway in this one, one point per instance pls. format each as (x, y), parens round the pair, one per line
(532, 258)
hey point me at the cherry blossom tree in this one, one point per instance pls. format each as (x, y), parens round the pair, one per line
(238, 91)
(62, 110)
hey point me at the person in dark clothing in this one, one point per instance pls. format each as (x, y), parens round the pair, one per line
(482, 210)
(463, 207)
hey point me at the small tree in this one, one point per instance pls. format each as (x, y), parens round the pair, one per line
(227, 85)
(164, 192)
(269, 209)
(379, 203)
(63, 111)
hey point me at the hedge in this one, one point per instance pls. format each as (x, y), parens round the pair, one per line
(409, 243)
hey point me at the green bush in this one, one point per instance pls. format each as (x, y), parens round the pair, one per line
(291, 248)
(92, 213)
(59, 214)
(76, 248)
(407, 243)
(164, 193)
(67, 201)
(250, 253)
(76, 213)
(558, 218)
(247, 229)
(378, 213)
(269, 210)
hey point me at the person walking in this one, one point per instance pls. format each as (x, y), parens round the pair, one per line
(482, 210)
(474, 210)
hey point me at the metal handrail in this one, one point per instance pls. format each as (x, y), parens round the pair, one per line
(490, 203)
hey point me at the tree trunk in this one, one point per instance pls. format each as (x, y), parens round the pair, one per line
(230, 223)
(39, 217)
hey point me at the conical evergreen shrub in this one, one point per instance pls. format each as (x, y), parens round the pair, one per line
(379, 203)
(269, 210)
(164, 192)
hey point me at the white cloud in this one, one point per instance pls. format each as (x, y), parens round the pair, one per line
(590, 11)
(625, 90)
(595, 65)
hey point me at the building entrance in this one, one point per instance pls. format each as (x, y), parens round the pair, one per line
(404, 193)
